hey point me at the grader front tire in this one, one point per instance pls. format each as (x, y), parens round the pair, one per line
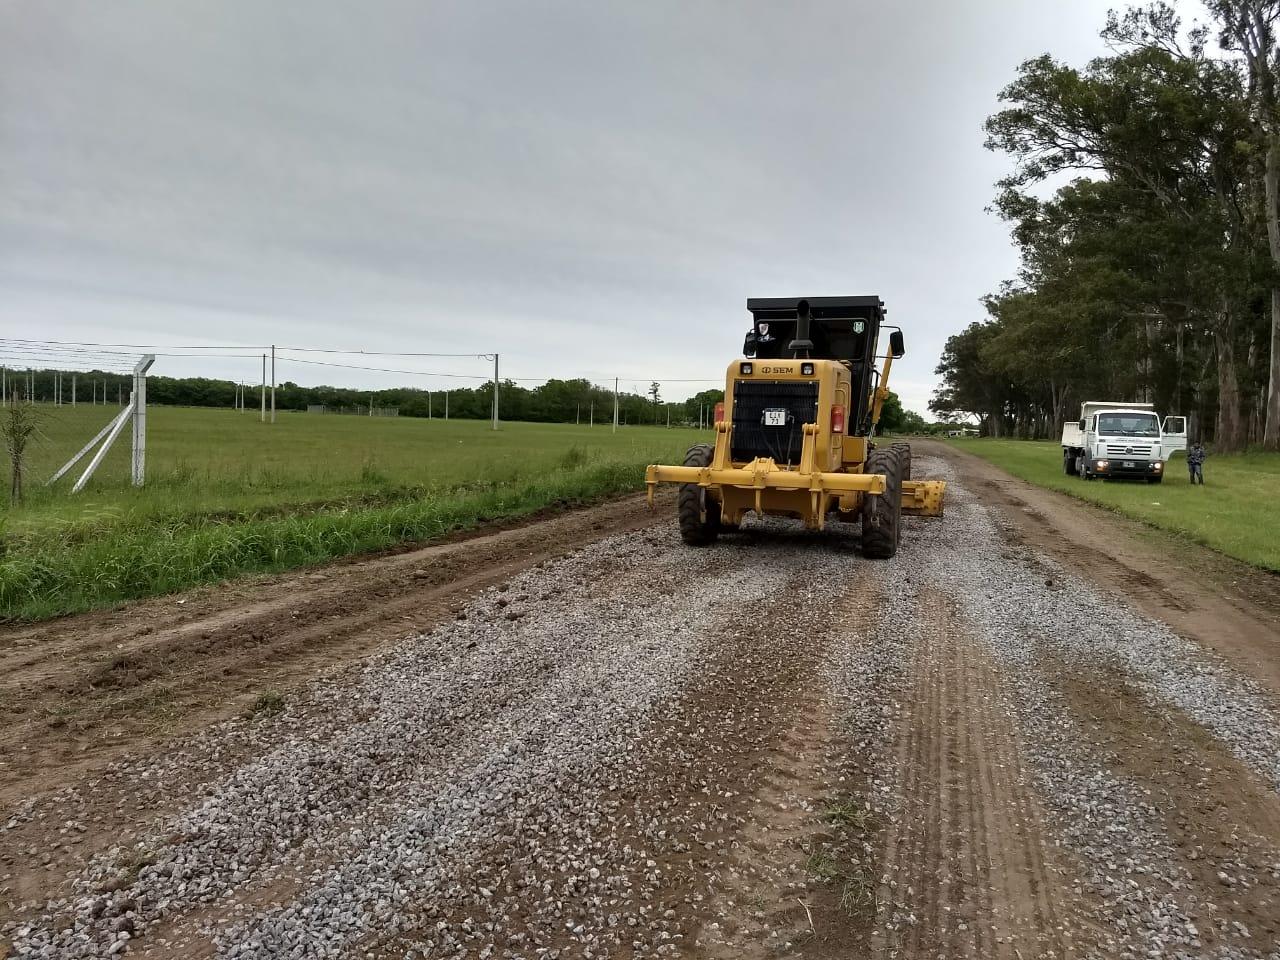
(699, 514)
(882, 513)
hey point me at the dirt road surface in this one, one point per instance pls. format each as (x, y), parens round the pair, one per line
(1037, 732)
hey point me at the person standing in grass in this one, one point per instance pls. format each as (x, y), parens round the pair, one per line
(1195, 462)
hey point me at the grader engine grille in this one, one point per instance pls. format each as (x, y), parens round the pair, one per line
(769, 419)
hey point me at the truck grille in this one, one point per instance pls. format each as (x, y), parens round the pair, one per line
(1128, 450)
(752, 437)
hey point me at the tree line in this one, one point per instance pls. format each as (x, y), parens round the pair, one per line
(556, 401)
(1153, 274)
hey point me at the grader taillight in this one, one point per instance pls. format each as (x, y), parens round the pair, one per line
(720, 412)
(837, 419)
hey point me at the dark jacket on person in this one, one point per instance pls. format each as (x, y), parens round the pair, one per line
(1196, 455)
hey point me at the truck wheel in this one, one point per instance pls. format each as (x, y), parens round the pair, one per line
(1068, 464)
(882, 515)
(1154, 479)
(699, 514)
(1082, 468)
(904, 455)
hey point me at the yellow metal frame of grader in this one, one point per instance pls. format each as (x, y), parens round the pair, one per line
(835, 473)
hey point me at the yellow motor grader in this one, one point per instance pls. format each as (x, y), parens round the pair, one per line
(794, 433)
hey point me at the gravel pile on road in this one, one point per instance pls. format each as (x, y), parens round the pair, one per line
(1105, 818)
(389, 791)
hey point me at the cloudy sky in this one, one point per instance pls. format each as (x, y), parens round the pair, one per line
(591, 188)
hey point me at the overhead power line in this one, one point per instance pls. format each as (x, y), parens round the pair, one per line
(148, 347)
(416, 373)
(91, 356)
(383, 353)
(157, 347)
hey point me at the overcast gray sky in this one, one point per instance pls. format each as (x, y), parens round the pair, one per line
(592, 188)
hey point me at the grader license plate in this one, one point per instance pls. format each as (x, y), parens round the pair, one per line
(775, 418)
(1128, 464)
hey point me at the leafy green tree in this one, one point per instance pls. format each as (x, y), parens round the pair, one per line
(1249, 27)
(1160, 257)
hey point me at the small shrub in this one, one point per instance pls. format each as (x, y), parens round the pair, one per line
(371, 475)
(573, 458)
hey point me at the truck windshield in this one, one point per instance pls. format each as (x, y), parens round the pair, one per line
(1129, 424)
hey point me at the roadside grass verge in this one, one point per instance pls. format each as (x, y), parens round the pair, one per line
(227, 495)
(1234, 513)
(55, 575)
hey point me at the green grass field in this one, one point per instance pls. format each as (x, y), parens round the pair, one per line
(227, 495)
(1235, 512)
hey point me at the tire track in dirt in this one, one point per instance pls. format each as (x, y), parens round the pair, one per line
(723, 776)
(970, 864)
(802, 879)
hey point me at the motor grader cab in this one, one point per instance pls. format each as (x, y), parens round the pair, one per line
(794, 433)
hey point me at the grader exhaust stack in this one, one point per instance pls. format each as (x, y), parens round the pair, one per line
(794, 434)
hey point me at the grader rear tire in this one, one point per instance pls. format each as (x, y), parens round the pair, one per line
(882, 514)
(699, 514)
(904, 453)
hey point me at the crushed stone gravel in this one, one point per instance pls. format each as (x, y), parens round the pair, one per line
(472, 792)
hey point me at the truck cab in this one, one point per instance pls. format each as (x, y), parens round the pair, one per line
(1121, 440)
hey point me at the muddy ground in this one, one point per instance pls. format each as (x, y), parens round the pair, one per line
(1039, 731)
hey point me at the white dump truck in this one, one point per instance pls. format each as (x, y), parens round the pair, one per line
(1121, 440)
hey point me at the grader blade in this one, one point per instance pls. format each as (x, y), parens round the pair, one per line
(923, 498)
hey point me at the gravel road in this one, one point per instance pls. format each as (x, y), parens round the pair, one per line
(771, 747)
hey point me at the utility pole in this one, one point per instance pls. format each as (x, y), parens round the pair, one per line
(428, 404)
(668, 417)
(446, 406)
(592, 414)
(615, 404)
(263, 394)
(73, 390)
(273, 383)
(495, 391)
